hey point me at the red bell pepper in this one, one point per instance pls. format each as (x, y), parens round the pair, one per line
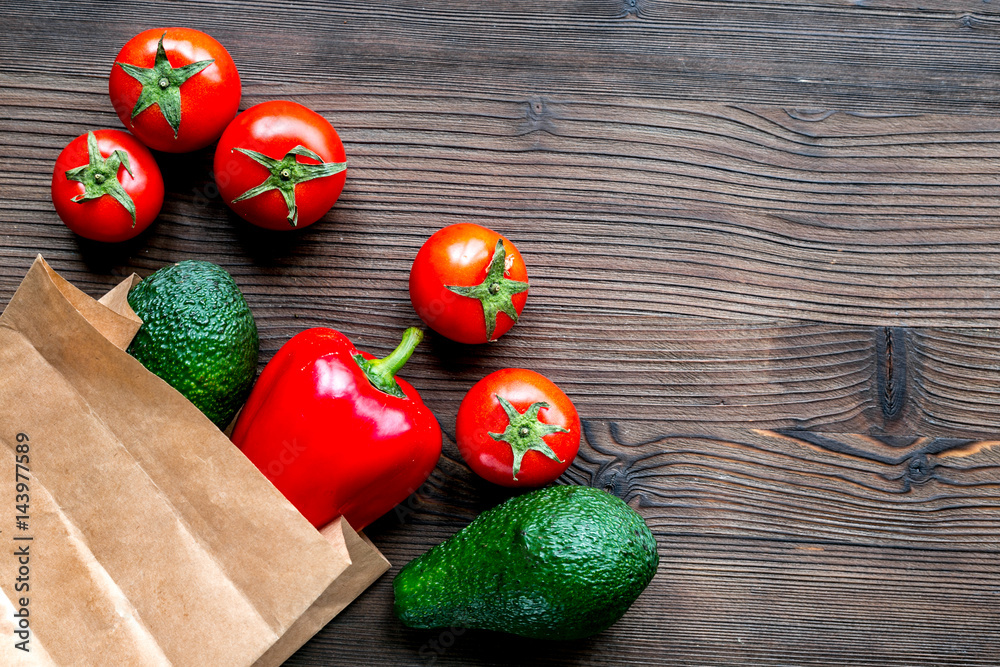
(335, 431)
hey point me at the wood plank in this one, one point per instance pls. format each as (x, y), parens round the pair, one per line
(683, 373)
(741, 220)
(884, 56)
(702, 210)
(697, 374)
(776, 548)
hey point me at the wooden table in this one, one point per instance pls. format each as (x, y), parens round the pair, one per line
(752, 229)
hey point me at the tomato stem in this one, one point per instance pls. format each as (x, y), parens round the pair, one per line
(161, 85)
(526, 432)
(286, 173)
(100, 176)
(496, 292)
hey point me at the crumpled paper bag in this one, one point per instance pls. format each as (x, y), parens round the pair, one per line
(140, 535)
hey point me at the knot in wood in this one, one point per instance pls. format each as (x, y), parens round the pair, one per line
(536, 108)
(538, 116)
(918, 470)
(614, 480)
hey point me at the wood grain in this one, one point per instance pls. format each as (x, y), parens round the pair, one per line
(752, 228)
(776, 549)
(895, 56)
(704, 210)
(620, 363)
(695, 374)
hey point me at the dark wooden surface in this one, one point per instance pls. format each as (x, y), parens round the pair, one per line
(764, 250)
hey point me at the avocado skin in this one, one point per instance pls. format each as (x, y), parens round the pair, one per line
(562, 562)
(198, 335)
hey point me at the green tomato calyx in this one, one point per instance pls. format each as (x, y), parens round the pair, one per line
(525, 432)
(286, 173)
(496, 292)
(100, 176)
(161, 85)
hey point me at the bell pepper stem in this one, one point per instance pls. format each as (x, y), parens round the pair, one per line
(381, 372)
(390, 365)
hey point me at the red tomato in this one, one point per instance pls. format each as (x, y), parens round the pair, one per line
(174, 88)
(468, 283)
(280, 165)
(106, 186)
(517, 428)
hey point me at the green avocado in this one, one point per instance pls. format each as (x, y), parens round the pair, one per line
(198, 335)
(562, 562)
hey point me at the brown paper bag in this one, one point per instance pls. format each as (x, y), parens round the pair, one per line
(140, 535)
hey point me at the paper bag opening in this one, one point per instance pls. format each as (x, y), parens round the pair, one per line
(151, 540)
